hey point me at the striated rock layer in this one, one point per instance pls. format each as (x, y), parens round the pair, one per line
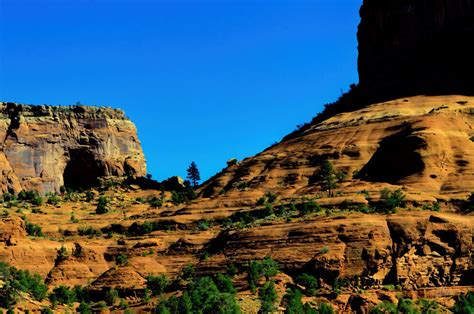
(414, 47)
(423, 144)
(43, 148)
(414, 250)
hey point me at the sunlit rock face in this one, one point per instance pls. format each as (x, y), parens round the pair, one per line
(43, 148)
(412, 47)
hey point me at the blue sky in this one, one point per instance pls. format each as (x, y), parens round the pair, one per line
(202, 80)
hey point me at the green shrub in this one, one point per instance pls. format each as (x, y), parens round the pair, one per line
(329, 177)
(33, 230)
(271, 197)
(7, 197)
(53, 200)
(427, 306)
(102, 206)
(123, 304)
(338, 284)
(261, 201)
(137, 229)
(224, 283)
(31, 196)
(111, 296)
(187, 272)
(269, 267)
(465, 304)
(31, 284)
(89, 196)
(155, 202)
(8, 295)
(324, 308)
(309, 207)
(88, 231)
(46, 310)
(16, 281)
(62, 254)
(201, 296)
(84, 308)
(310, 283)
(203, 225)
(182, 197)
(292, 302)
(146, 296)
(157, 284)
(62, 295)
(268, 297)
(82, 294)
(407, 306)
(73, 219)
(121, 259)
(390, 201)
(266, 267)
(268, 210)
(140, 200)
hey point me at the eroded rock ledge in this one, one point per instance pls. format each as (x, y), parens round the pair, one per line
(44, 147)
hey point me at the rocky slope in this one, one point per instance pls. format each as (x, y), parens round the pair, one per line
(415, 47)
(421, 144)
(359, 254)
(414, 250)
(44, 148)
(424, 253)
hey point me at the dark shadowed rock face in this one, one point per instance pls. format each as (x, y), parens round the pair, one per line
(410, 47)
(43, 148)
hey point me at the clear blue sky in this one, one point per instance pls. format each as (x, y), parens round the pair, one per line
(203, 80)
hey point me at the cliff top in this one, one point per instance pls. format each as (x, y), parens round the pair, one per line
(8, 108)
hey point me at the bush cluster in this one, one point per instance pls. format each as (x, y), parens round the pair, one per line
(294, 305)
(407, 306)
(257, 269)
(102, 206)
(32, 197)
(389, 201)
(16, 281)
(33, 230)
(247, 218)
(88, 231)
(137, 229)
(310, 283)
(203, 295)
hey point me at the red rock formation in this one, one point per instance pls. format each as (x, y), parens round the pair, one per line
(414, 250)
(43, 148)
(420, 143)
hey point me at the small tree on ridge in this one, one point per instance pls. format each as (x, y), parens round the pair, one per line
(193, 174)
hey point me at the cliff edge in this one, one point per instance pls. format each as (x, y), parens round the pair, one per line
(44, 147)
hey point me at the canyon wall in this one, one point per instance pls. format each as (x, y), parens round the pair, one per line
(43, 148)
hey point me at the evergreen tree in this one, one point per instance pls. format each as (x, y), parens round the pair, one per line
(293, 302)
(268, 297)
(193, 174)
(329, 176)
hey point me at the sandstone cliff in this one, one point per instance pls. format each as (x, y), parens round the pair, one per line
(43, 148)
(423, 144)
(414, 47)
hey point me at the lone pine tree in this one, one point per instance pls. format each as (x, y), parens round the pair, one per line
(193, 174)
